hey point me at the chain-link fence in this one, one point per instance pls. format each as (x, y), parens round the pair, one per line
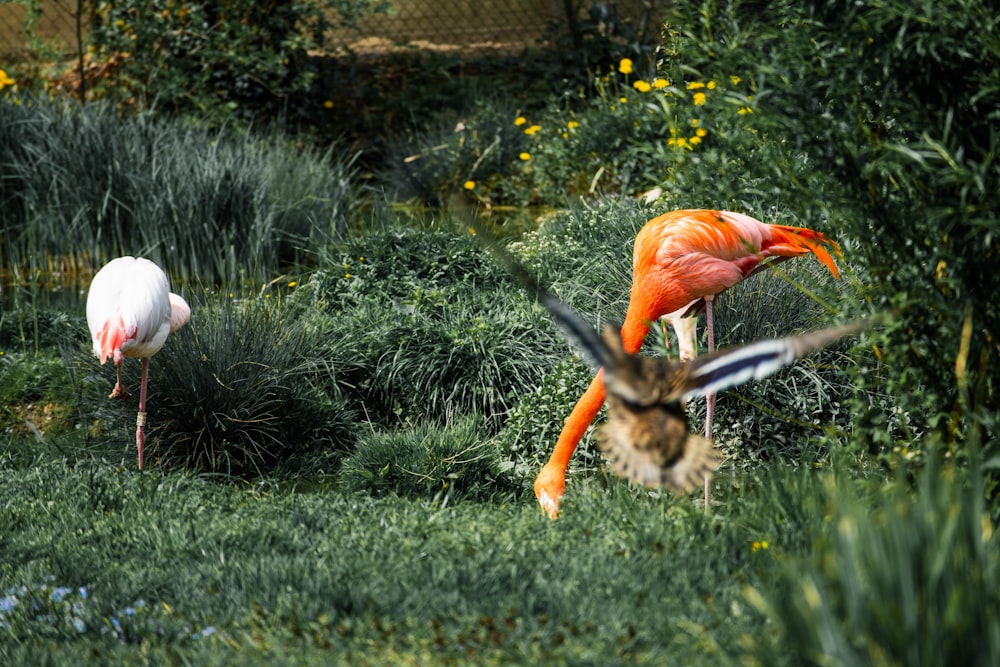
(41, 28)
(56, 29)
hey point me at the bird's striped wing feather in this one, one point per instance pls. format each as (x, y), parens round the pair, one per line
(727, 368)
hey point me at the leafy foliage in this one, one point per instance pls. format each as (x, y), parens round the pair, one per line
(898, 102)
(221, 60)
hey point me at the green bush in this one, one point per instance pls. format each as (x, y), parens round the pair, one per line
(219, 61)
(447, 463)
(897, 103)
(236, 391)
(631, 133)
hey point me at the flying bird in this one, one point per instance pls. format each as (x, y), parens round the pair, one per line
(681, 260)
(646, 437)
(130, 312)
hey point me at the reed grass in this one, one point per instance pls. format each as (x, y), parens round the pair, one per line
(81, 185)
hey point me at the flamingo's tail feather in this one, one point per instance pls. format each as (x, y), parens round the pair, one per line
(109, 338)
(799, 239)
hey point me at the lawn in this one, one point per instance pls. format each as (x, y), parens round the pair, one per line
(103, 561)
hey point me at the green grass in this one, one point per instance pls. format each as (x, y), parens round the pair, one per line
(180, 568)
(81, 185)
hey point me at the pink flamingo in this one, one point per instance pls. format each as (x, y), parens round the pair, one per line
(680, 261)
(130, 312)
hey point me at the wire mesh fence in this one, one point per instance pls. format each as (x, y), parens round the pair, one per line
(57, 29)
(41, 29)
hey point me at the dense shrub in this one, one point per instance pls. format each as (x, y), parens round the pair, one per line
(218, 61)
(897, 102)
(235, 391)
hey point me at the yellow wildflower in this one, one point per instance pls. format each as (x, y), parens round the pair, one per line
(5, 80)
(735, 79)
(710, 85)
(525, 156)
(758, 546)
(328, 104)
(469, 185)
(572, 125)
(695, 85)
(695, 140)
(520, 120)
(625, 66)
(695, 122)
(699, 99)
(642, 86)
(623, 100)
(532, 130)
(701, 132)
(744, 111)
(292, 284)
(659, 83)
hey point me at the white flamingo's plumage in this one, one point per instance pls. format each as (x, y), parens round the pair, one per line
(130, 313)
(130, 304)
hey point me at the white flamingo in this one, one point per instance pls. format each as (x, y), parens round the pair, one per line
(130, 312)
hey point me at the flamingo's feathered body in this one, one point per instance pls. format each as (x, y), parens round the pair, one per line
(130, 313)
(680, 260)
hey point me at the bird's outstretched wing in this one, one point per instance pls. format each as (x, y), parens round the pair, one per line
(713, 372)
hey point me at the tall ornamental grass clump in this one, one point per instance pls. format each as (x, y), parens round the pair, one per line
(80, 185)
(904, 577)
(235, 391)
